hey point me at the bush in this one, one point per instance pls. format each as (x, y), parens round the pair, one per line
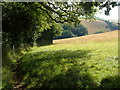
(69, 30)
(98, 32)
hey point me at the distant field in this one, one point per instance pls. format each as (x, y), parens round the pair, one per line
(94, 26)
(108, 36)
(83, 62)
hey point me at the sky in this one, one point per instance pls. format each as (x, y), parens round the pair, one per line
(113, 14)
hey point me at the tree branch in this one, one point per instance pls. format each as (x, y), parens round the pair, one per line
(50, 15)
(54, 19)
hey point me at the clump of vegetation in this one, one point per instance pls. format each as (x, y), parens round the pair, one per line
(112, 26)
(97, 32)
(70, 30)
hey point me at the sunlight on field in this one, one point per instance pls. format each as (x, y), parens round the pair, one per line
(93, 61)
(97, 41)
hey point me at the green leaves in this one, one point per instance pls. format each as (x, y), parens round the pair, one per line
(23, 19)
(71, 30)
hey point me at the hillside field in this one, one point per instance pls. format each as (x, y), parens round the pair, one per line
(94, 26)
(82, 62)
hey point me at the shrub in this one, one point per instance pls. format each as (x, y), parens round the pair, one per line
(98, 32)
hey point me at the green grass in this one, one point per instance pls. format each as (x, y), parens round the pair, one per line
(69, 65)
(74, 64)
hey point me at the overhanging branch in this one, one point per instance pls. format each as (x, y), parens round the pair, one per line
(55, 19)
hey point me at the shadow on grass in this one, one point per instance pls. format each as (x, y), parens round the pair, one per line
(111, 82)
(72, 78)
(60, 69)
(9, 58)
(56, 69)
(6, 58)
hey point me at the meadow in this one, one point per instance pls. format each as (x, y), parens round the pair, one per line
(82, 62)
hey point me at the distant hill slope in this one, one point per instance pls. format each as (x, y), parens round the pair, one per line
(94, 26)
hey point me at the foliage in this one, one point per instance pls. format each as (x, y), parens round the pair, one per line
(112, 26)
(70, 11)
(47, 36)
(98, 32)
(80, 30)
(19, 21)
(69, 30)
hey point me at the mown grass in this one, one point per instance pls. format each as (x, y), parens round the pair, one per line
(72, 63)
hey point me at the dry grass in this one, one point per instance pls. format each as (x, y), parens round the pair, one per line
(94, 37)
(94, 26)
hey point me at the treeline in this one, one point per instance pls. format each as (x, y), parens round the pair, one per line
(70, 30)
(111, 25)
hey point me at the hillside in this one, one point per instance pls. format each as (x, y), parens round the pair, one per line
(94, 26)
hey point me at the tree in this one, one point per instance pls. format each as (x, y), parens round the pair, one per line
(21, 20)
(112, 26)
(80, 30)
(48, 35)
(70, 30)
(70, 11)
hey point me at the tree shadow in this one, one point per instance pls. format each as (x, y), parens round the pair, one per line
(6, 58)
(111, 82)
(60, 69)
(73, 78)
(56, 69)
(9, 58)
(50, 58)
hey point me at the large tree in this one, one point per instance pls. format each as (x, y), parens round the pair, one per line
(22, 22)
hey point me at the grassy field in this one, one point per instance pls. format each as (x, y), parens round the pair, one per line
(82, 62)
(94, 26)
